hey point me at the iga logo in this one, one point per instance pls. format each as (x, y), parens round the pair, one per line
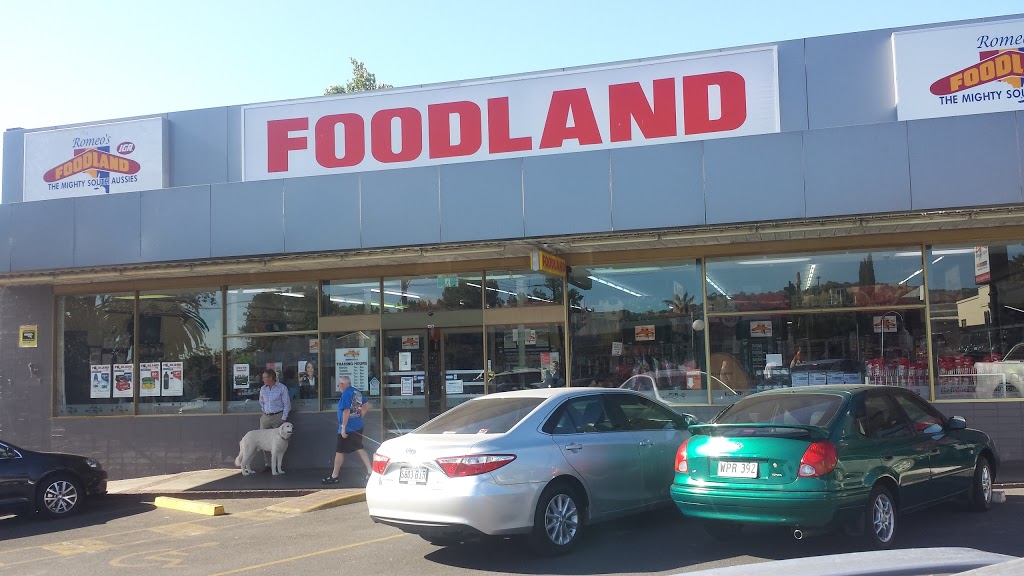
(126, 148)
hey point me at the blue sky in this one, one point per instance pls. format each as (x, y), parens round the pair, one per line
(72, 61)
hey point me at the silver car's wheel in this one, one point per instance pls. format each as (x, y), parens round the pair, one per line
(880, 518)
(557, 522)
(58, 496)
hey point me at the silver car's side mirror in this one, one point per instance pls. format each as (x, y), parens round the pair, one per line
(957, 423)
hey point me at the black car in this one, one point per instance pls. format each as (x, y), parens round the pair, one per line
(53, 484)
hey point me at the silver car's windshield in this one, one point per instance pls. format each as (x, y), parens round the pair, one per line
(482, 416)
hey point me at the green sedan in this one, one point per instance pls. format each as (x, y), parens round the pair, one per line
(817, 458)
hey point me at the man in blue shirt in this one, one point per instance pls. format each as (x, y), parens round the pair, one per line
(275, 404)
(351, 409)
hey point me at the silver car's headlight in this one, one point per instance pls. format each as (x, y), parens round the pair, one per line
(93, 464)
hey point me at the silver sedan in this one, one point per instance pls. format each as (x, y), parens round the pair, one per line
(544, 463)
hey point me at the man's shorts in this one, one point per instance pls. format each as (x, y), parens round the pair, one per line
(351, 444)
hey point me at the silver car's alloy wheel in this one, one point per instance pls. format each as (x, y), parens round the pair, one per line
(986, 483)
(561, 519)
(883, 518)
(60, 497)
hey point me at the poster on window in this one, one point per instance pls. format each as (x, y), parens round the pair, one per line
(406, 385)
(616, 348)
(149, 379)
(404, 361)
(982, 266)
(171, 383)
(761, 329)
(100, 381)
(644, 333)
(354, 363)
(241, 377)
(410, 342)
(123, 381)
(884, 324)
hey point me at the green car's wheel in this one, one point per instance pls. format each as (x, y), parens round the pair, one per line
(981, 486)
(880, 518)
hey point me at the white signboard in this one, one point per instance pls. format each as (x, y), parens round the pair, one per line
(406, 385)
(958, 70)
(982, 265)
(354, 363)
(676, 99)
(149, 379)
(100, 381)
(404, 361)
(123, 381)
(453, 387)
(95, 160)
(171, 381)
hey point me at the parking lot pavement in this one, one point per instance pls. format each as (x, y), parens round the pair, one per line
(129, 535)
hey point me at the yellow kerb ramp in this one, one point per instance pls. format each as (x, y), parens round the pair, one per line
(189, 506)
(320, 501)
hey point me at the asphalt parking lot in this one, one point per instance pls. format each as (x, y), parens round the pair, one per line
(128, 534)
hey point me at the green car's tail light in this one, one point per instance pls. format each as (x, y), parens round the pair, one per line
(681, 465)
(819, 459)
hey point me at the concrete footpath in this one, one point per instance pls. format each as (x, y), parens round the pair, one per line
(229, 483)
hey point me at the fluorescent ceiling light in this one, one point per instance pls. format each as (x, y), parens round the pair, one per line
(610, 271)
(256, 290)
(344, 301)
(904, 281)
(393, 293)
(719, 288)
(1012, 308)
(616, 286)
(946, 252)
(291, 294)
(772, 261)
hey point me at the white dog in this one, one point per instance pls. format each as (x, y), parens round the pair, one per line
(273, 440)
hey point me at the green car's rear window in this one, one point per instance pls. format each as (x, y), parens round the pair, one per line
(800, 409)
(482, 416)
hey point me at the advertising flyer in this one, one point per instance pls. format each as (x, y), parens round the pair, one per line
(241, 376)
(616, 348)
(149, 379)
(406, 385)
(354, 363)
(404, 361)
(123, 381)
(171, 383)
(453, 387)
(100, 379)
(410, 342)
(644, 333)
(374, 387)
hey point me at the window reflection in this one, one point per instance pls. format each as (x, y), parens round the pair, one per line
(269, 308)
(520, 288)
(96, 335)
(825, 280)
(350, 298)
(976, 295)
(434, 293)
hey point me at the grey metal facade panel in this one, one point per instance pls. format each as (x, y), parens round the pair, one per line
(321, 213)
(850, 80)
(14, 166)
(856, 170)
(247, 218)
(177, 224)
(753, 179)
(482, 200)
(108, 229)
(42, 234)
(964, 161)
(234, 138)
(657, 186)
(5, 238)
(792, 85)
(400, 207)
(567, 193)
(198, 146)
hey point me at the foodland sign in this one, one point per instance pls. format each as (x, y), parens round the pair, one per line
(95, 159)
(959, 70)
(641, 103)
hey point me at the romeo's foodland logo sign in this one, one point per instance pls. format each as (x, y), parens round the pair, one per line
(651, 102)
(960, 70)
(94, 160)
